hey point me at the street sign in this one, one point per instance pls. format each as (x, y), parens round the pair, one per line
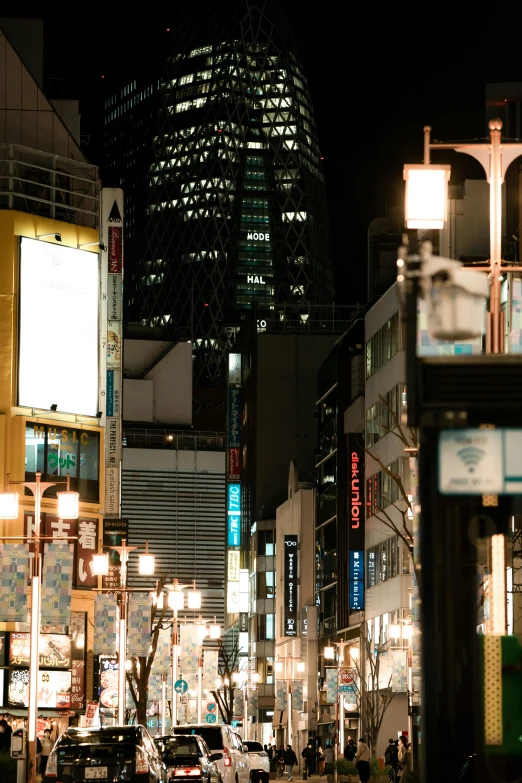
(478, 462)
(181, 686)
(211, 706)
(347, 679)
(211, 718)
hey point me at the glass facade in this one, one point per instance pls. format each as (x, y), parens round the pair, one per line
(218, 156)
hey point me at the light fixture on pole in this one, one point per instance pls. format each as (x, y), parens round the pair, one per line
(67, 509)
(100, 567)
(176, 601)
(329, 653)
(286, 663)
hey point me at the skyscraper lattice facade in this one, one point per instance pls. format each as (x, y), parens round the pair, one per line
(226, 201)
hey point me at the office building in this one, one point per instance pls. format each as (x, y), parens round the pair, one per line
(215, 145)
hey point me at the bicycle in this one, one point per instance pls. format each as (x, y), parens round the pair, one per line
(280, 769)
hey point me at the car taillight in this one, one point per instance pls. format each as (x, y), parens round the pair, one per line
(227, 757)
(51, 770)
(142, 764)
(185, 771)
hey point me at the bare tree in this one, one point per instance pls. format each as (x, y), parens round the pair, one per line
(402, 508)
(140, 670)
(372, 698)
(228, 665)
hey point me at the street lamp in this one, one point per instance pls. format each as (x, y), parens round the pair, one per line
(68, 508)
(100, 567)
(329, 653)
(286, 664)
(176, 601)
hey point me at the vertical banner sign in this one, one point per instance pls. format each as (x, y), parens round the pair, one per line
(239, 703)
(112, 343)
(356, 520)
(399, 671)
(280, 695)
(87, 547)
(138, 624)
(234, 434)
(57, 575)
(114, 531)
(14, 574)
(188, 649)
(253, 703)
(298, 695)
(331, 684)
(290, 577)
(234, 514)
(105, 624)
(210, 669)
(162, 663)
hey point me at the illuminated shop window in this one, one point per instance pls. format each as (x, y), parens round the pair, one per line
(58, 451)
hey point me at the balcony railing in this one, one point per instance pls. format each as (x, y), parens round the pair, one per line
(49, 185)
(179, 440)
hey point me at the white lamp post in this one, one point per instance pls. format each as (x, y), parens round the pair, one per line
(286, 664)
(176, 601)
(329, 653)
(100, 567)
(68, 505)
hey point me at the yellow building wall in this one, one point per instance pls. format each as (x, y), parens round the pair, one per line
(13, 419)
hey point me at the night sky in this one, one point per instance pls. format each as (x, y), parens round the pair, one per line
(371, 101)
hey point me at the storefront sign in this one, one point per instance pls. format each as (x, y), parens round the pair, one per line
(356, 581)
(87, 546)
(115, 249)
(233, 597)
(234, 418)
(113, 436)
(114, 298)
(113, 396)
(234, 514)
(356, 520)
(234, 368)
(233, 565)
(114, 531)
(290, 577)
(114, 343)
(234, 468)
(112, 491)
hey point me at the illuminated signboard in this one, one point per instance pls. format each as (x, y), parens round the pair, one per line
(59, 295)
(233, 597)
(234, 514)
(234, 417)
(356, 519)
(357, 581)
(233, 565)
(54, 689)
(290, 576)
(256, 279)
(263, 236)
(54, 650)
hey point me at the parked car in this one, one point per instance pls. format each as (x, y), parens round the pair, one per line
(188, 757)
(226, 747)
(259, 762)
(110, 753)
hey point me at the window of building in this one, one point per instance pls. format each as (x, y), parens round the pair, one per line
(386, 560)
(383, 345)
(382, 489)
(384, 415)
(57, 451)
(266, 543)
(265, 627)
(265, 584)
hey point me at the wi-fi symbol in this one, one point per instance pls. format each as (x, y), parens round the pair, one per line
(471, 456)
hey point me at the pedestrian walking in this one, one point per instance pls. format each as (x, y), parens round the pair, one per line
(290, 760)
(281, 753)
(362, 760)
(404, 759)
(320, 761)
(47, 746)
(391, 755)
(270, 752)
(350, 750)
(308, 755)
(329, 758)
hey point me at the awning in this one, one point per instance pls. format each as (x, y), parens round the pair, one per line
(279, 719)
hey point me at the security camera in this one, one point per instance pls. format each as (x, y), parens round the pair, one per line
(455, 297)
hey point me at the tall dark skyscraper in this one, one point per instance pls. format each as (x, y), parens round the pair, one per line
(215, 146)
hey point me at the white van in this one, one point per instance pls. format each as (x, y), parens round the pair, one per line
(226, 747)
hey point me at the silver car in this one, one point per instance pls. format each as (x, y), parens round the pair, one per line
(259, 762)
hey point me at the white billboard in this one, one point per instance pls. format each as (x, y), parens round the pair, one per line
(59, 296)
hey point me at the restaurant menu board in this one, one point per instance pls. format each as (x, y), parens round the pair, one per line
(108, 691)
(54, 652)
(54, 689)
